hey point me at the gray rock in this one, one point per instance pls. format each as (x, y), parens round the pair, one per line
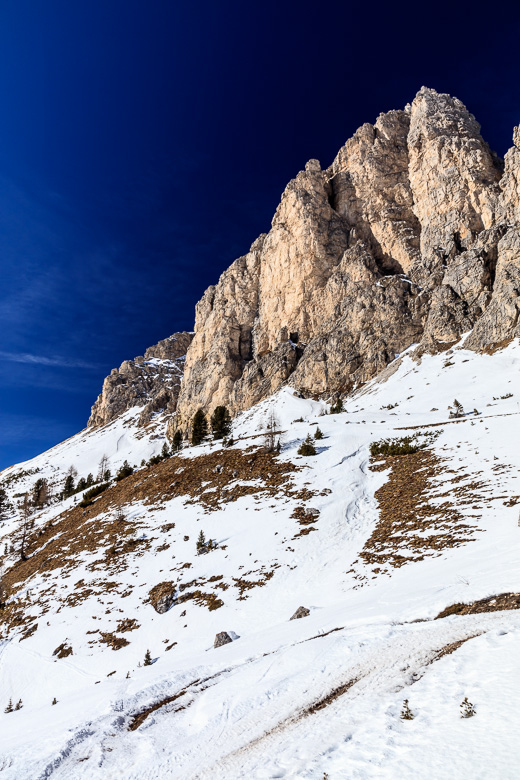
(222, 638)
(301, 612)
(152, 382)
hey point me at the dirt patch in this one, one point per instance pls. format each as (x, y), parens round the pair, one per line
(63, 650)
(492, 348)
(410, 527)
(491, 604)
(128, 624)
(449, 649)
(113, 641)
(329, 698)
(245, 585)
(139, 719)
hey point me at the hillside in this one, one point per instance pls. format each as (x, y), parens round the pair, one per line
(375, 547)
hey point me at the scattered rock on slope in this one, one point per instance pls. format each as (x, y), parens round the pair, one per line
(162, 596)
(222, 638)
(301, 612)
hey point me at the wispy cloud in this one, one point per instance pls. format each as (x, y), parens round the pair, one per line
(42, 360)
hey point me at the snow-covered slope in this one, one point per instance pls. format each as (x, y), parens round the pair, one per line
(374, 549)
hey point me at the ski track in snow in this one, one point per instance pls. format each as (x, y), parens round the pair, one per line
(244, 708)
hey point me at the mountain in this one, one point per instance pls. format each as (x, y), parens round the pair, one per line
(147, 596)
(411, 236)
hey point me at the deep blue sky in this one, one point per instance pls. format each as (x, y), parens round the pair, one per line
(145, 144)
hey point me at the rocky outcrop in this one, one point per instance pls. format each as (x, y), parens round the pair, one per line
(222, 638)
(151, 381)
(163, 596)
(301, 612)
(411, 236)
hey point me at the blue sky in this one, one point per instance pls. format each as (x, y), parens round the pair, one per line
(144, 146)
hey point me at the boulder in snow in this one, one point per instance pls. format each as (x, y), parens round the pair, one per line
(162, 596)
(222, 638)
(300, 613)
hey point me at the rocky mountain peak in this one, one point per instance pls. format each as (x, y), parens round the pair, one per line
(151, 381)
(410, 236)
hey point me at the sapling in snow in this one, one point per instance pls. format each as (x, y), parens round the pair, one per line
(467, 709)
(406, 712)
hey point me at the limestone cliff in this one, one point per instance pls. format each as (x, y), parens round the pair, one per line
(152, 382)
(412, 235)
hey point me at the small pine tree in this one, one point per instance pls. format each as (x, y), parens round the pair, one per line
(82, 484)
(307, 447)
(337, 407)
(220, 422)
(459, 409)
(68, 487)
(4, 504)
(125, 471)
(128, 675)
(406, 712)
(201, 543)
(9, 707)
(107, 476)
(90, 480)
(199, 429)
(147, 659)
(467, 709)
(165, 452)
(19, 705)
(177, 441)
(55, 700)
(318, 434)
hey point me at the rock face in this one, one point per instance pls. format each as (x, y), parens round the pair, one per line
(411, 236)
(301, 612)
(222, 638)
(152, 382)
(162, 596)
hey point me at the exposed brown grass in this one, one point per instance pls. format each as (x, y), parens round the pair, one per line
(490, 604)
(410, 527)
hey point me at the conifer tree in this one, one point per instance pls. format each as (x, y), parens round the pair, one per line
(55, 700)
(406, 712)
(125, 471)
(4, 504)
(25, 515)
(337, 407)
(147, 659)
(467, 709)
(68, 487)
(220, 422)
(199, 429)
(19, 705)
(177, 440)
(307, 447)
(9, 707)
(318, 434)
(201, 542)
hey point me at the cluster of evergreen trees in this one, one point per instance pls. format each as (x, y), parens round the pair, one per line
(220, 425)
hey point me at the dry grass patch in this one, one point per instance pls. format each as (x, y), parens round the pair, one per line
(498, 603)
(410, 527)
